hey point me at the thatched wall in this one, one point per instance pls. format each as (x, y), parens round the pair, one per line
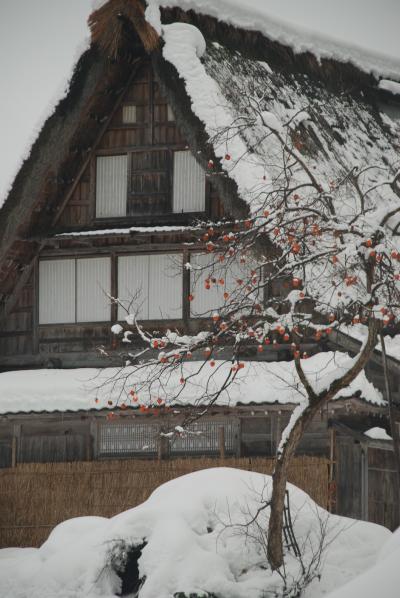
(35, 497)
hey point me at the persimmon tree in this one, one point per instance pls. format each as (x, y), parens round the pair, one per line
(328, 241)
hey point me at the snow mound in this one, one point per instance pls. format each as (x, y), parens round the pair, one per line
(190, 534)
(383, 579)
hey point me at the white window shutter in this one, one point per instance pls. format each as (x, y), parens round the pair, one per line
(93, 279)
(170, 114)
(165, 287)
(129, 115)
(189, 188)
(57, 291)
(133, 286)
(206, 301)
(111, 186)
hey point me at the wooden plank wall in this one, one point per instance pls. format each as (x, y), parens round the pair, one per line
(58, 438)
(16, 334)
(366, 482)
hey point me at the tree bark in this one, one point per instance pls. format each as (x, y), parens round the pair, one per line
(393, 424)
(316, 401)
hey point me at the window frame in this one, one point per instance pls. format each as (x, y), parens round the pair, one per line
(169, 213)
(75, 259)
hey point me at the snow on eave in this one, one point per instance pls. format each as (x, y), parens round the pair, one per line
(257, 384)
(251, 17)
(126, 231)
(392, 86)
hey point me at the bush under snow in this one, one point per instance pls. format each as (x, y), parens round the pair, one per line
(188, 539)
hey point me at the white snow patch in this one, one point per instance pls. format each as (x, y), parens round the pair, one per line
(117, 329)
(208, 103)
(392, 86)
(382, 578)
(126, 231)
(377, 434)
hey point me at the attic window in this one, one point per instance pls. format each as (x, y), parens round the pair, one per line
(189, 184)
(149, 182)
(129, 114)
(111, 186)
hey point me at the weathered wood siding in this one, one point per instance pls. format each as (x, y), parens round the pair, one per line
(366, 481)
(144, 135)
(138, 147)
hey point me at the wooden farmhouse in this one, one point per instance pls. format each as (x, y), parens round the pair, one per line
(112, 201)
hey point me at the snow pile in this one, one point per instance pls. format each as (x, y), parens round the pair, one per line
(191, 534)
(255, 383)
(378, 434)
(382, 579)
(254, 15)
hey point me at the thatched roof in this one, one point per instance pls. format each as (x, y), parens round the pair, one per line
(343, 100)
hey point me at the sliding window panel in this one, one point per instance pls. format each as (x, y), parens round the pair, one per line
(57, 291)
(206, 301)
(189, 188)
(111, 186)
(133, 286)
(165, 287)
(211, 279)
(93, 279)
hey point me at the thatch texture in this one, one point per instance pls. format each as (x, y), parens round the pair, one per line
(114, 21)
(35, 497)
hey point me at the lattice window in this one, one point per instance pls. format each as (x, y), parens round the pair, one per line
(118, 439)
(127, 438)
(203, 437)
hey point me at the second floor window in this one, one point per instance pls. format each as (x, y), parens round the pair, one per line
(74, 290)
(149, 182)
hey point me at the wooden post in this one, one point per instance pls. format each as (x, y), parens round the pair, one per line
(239, 440)
(14, 452)
(221, 442)
(94, 439)
(15, 444)
(332, 463)
(88, 446)
(163, 448)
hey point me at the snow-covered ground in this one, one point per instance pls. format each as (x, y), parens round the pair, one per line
(256, 382)
(194, 533)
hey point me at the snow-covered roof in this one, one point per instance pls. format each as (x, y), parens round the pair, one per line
(256, 383)
(255, 15)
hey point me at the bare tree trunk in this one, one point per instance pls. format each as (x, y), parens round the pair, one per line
(393, 425)
(279, 477)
